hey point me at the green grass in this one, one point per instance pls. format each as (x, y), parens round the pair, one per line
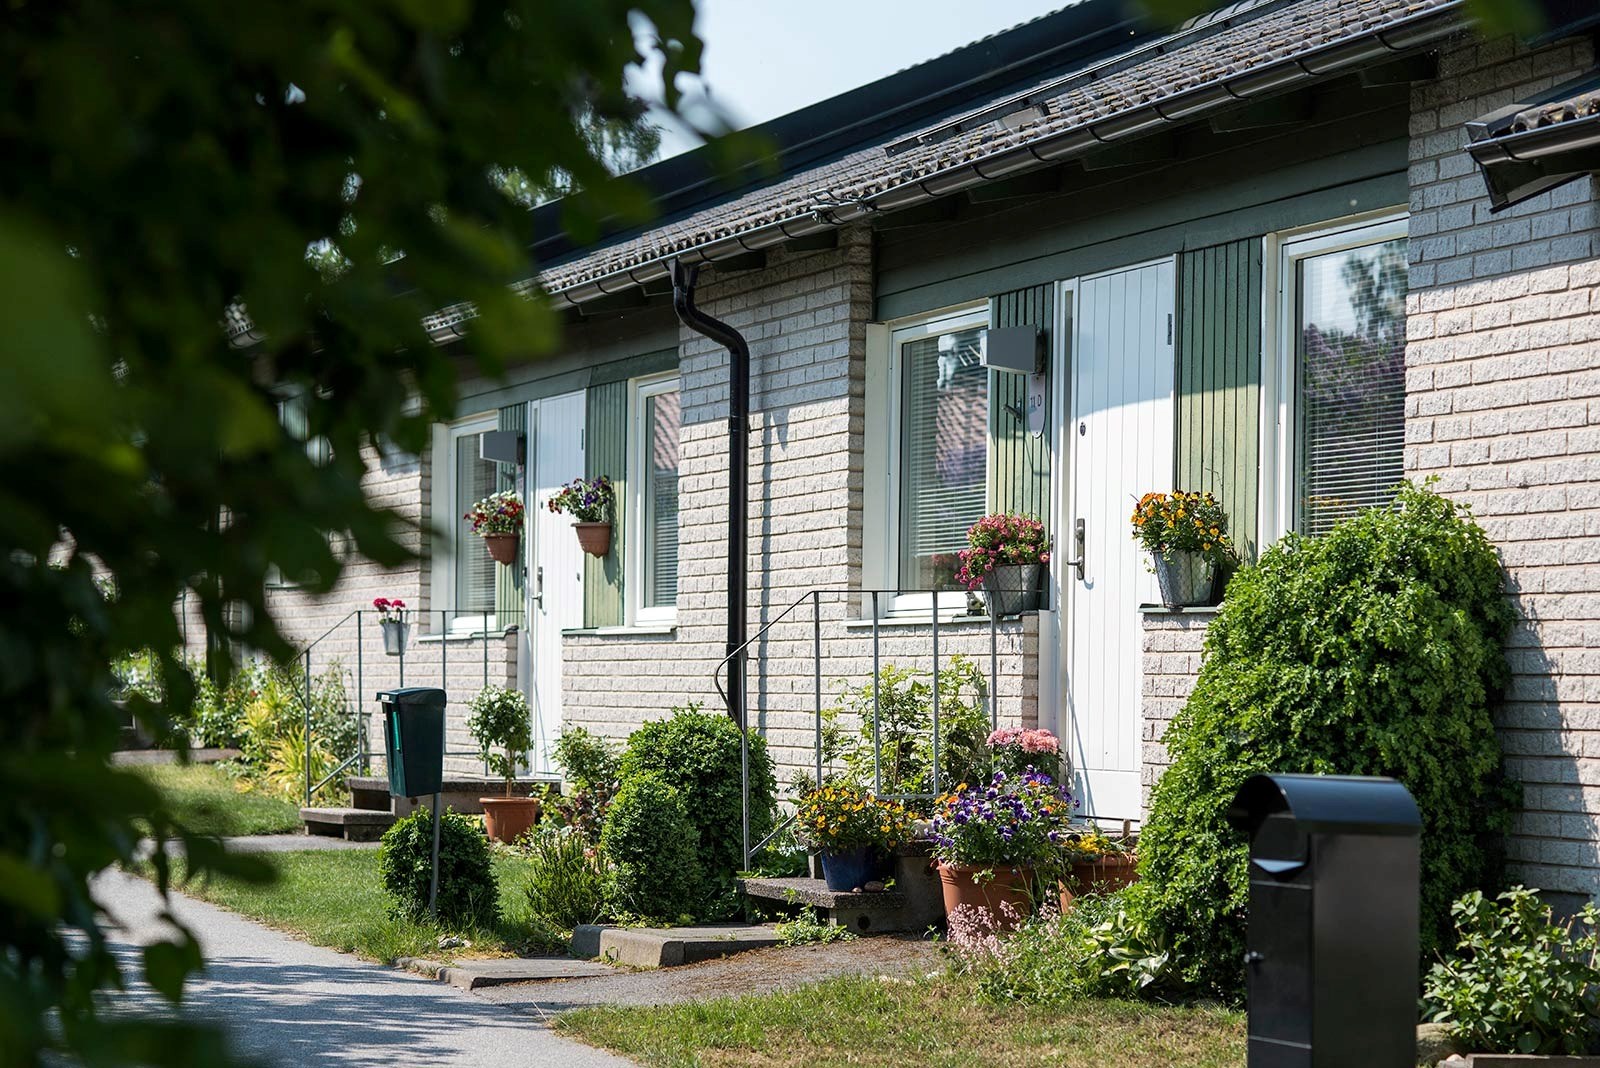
(334, 898)
(933, 1022)
(206, 799)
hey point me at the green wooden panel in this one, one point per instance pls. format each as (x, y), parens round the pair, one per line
(1019, 462)
(508, 602)
(1219, 380)
(606, 453)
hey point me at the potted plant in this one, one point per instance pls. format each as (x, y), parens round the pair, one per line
(392, 620)
(854, 832)
(498, 718)
(991, 840)
(589, 501)
(1005, 557)
(1186, 535)
(1017, 751)
(1095, 864)
(497, 519)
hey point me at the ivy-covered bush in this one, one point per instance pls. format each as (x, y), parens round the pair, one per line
(697, 753)
(468, 896)
(1372, 650)
(653, 849)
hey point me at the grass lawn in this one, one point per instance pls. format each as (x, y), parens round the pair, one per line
(334, 898)
(207, 800)
(933, 1022)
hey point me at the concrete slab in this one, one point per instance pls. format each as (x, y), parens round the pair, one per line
(668, 947)
(479, 974)
(132, 757)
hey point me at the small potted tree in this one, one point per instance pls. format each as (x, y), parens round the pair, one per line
(1186, 535)
(500, 722)
(1005, 557)
(855, 833)
(392, 621)
(589, 501)
(497, 519)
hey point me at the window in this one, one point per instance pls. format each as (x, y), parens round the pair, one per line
(463, 584)
(1344, 297)
(653, 499)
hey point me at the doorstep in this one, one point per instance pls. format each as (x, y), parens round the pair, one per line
(478, 974)
(1518, 1060)
(668, 947)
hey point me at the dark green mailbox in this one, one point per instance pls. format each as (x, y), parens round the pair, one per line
(413, 735)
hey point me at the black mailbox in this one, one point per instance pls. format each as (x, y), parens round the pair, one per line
(413, 735)
(1331, 963)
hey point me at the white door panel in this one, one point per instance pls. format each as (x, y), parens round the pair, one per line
(555, 574)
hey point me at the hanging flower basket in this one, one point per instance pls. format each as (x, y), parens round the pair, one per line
(503, 547)
(497, 519)
(594, 538)
(589, 501)
(1006, 557)
(392, 621)
(1012, 589)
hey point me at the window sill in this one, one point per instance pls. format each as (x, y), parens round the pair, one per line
(1191, 610)
(640, 630)
(464, 636)
(925, 619)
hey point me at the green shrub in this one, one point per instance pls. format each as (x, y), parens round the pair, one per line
(654, 850)
(1517, 982)
(1373, 650)
(468, 896)
(588, 761)
(499, 721)
(566, 880)
(697, 753)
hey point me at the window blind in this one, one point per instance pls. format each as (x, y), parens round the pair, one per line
(1350, 341)
(475, 480)
(663, 418)
(943, 453)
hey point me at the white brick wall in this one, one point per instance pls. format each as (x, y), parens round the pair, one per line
(1171, 663)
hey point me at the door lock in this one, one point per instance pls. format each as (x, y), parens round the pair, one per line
(1078, 545)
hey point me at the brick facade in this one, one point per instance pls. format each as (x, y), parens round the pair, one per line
(1170, 655)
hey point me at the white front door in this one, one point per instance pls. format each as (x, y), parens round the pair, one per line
(554, 584)
(1120, 442)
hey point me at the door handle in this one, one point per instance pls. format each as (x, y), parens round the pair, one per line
(538, 586)
(1078, 541)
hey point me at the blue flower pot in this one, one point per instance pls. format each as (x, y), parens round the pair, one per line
(851, 869)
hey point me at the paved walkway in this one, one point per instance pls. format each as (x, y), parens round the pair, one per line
(289, 1003)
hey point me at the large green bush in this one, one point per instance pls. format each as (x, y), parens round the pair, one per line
(653, 849)
(468, 896)
(1372, 650)
(698, 753)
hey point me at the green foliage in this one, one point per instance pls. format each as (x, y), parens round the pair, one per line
(904, 735)
(498, 718)
(806, 930)
(1373, 650)
(589, 761)
(468, 895)
(1516, 981)
(566, 879)
(654, 850)
(208, 800)
(698, 753)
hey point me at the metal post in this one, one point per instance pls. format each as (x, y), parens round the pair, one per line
(402, 662)
(305, 708)
(816, 660)
(994, 673)
(744, 787)
(936, 694)
(444, 660)
(877, 743)
(361, 717)
(433, 867)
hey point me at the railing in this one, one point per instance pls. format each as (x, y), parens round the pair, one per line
(938, 616)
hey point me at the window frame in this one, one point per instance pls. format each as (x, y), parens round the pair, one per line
(1280, 468)
(900, 334)
(443, 495)
(640, 390)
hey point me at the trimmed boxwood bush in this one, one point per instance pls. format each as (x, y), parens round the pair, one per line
(1372, 650)
(653, 850)
(698, 753)
(468, 896)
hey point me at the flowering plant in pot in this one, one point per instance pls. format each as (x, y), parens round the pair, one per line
(392, 620)
(854, 831)
(498, 719)
(1005, 557)
(590, 502)
(990, 839)
(1095, 863)
(1017, 751)
(497, 519)
(1186, 535)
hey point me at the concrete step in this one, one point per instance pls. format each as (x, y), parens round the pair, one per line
(458, 792)
(866, 911)
(667, 947)
(352, 824)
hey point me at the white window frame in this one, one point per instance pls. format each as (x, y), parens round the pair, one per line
(641, 390)
(881, 511)
(1280, 409)
(443, 499)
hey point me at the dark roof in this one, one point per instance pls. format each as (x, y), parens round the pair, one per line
(1537, 144)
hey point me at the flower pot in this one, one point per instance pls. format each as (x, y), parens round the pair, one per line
(1012, 589)
(1002, 893)
(1185, 578)
(503, 547)
(594, 538)
(1103, 875)
(852, 869)
(509, 818)
(395, 633)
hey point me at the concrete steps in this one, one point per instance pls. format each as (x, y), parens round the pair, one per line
(351, 824)
(912, 901)
(372, 811)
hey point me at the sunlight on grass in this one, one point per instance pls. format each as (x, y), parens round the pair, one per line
(207, 800)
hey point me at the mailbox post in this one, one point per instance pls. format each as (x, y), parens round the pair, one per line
(1331, 959)
(413, 739)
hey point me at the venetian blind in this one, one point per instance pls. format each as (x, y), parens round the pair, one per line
(475, 480)
(1350, 341)
(662, 421)
(943, 453)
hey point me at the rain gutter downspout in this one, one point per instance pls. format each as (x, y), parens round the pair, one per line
(683, 282)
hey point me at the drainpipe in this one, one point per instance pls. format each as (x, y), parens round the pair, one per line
(683, 281)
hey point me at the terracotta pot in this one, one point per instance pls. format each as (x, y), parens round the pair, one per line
(1007, 886)
(1102, 875)
(503, 547)
(594, 538)
(509, 818)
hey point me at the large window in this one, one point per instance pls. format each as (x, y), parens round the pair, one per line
(653, 557)
(464, 571)
(1344, 310)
